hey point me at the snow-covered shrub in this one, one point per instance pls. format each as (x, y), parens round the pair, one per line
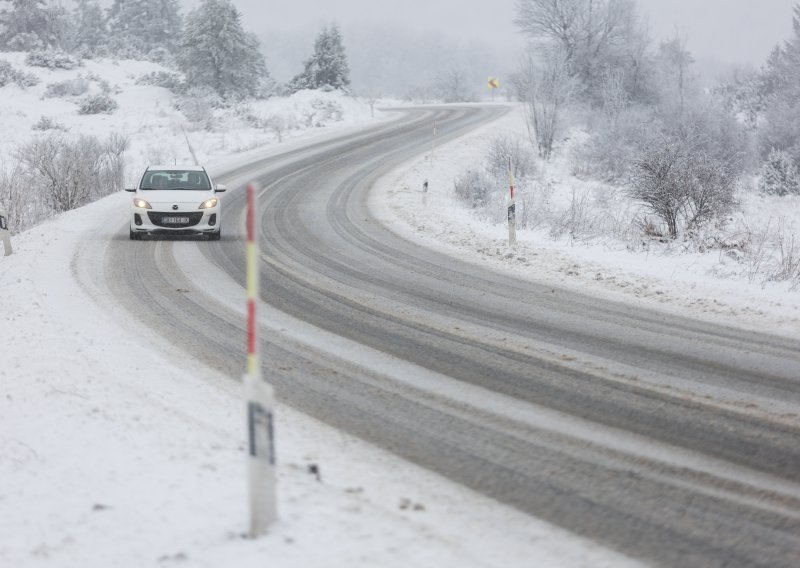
(678, 180)
(68, 88)
(52, 59)
(486, 188)
(474, 188)
(198, 107)
(25, 42)
(27, 79)
(577, 221)
(779, 176)
(165, 79)
(8, 74)
(48, 123)
(327, 110)
(787, 268)
(70, 172)
(97, 104)
(505, 150)
(278, 124)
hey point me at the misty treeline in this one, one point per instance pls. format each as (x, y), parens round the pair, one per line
(208, 48)
(653, 129)
(678, 146)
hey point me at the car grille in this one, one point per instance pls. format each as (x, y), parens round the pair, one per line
(161, 219)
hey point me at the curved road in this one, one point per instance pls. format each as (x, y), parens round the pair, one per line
(672, 440)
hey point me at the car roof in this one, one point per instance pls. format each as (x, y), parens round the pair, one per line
(174, 167)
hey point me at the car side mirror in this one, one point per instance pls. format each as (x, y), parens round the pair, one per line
(220, 188)
(131, 189)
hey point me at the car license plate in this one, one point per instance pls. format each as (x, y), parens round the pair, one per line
(176, 220)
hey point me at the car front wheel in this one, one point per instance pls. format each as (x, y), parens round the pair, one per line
(214, 236)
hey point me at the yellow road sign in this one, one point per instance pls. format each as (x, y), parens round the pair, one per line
(494, 83)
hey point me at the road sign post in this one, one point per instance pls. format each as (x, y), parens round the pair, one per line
(512, 208)
(259, 397)
(493, 84)
(5, 233)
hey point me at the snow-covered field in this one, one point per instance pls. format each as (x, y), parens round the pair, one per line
(111, 451)
(671, 277)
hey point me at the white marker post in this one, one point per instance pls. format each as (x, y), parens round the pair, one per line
(5, 233)
(433, 142)
(512, 208)
(260, 397)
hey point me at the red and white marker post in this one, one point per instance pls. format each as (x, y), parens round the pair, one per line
(512, 208)
(260, 397)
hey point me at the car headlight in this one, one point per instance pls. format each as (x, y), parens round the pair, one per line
(208, 204)
(139, 202)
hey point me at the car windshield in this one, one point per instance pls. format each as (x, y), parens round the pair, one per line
(176, 179)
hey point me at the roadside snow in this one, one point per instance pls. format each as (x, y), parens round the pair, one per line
(706, 284)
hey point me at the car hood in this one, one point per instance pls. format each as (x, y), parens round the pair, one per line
(175, 195)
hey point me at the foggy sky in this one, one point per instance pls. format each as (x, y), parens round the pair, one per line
(727, 31)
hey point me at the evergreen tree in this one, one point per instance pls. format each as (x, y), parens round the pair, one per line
(779, 175)
(778, 95)
(327, 67)
(31, 24)
(216, 53)
(90, 26)
(144, 28)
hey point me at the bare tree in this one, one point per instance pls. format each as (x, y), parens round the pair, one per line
(593, 35)
(675, 61)
(613, 94)
(453, 87)
(20, 200)
(547, 88)
(657, 181)
(558, 20)
(112, 176)
(372, 96)
(709, 192)
(70, 173)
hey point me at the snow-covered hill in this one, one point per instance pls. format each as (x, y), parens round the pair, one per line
(150, 116)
